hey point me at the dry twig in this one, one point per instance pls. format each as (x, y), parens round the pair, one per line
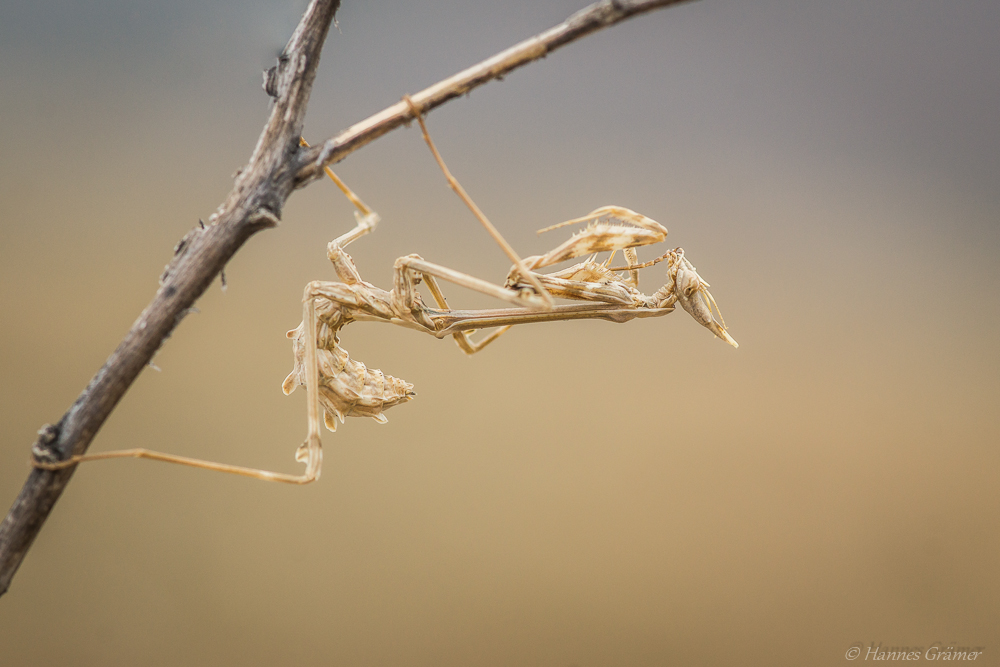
(277, 166)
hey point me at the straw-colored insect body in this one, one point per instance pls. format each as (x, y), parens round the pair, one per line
(338, 386)
(345, 387)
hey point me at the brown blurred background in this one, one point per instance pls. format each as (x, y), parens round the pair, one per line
(831, 169)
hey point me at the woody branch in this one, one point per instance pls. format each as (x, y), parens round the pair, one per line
(277, 166)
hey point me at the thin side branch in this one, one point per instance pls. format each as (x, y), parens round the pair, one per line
(586, 21)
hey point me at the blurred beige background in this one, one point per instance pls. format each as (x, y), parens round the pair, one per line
(831, 169)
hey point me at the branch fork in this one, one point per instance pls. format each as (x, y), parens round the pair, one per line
(277, 166)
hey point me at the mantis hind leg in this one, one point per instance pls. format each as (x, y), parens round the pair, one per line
(255, 473)
(310, 452)
(546, 299)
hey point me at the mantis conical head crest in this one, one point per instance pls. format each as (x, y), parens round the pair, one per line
(692, 293)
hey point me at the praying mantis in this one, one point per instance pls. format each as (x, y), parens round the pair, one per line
(338, 386)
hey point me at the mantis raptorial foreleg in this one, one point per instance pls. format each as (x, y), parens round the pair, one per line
(405, 282)
(405, 272)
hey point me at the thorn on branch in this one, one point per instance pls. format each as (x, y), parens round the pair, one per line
(184, 313)
(42, 450)
(264, 218)
(270, 84)
(272, 75)
(179, 250)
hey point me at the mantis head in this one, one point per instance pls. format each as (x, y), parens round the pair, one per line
(692, 293)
